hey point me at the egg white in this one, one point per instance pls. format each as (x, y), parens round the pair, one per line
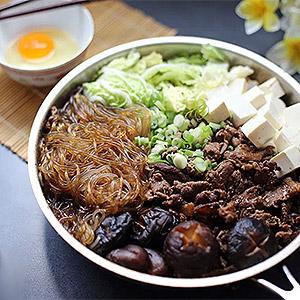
(65, 47)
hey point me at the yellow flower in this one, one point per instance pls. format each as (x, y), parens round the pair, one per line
(292, 48)
(287, 5)
(290, 10)
(287, 52)
(259, 13)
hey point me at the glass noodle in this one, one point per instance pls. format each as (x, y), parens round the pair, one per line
(88, 155)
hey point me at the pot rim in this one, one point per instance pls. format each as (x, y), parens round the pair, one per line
(89, 254)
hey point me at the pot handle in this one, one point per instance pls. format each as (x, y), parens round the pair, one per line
(292, 294)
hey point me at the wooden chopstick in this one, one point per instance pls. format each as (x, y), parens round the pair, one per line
(14, 4)
(48, 7)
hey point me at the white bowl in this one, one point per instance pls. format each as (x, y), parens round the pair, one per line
(75, 20)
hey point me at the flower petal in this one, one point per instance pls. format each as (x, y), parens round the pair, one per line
(284, 23)
(246, 9)
(272, 4)
(271, 22)
(253, 25)
(278, 55)
(292, 32)
(294, 17)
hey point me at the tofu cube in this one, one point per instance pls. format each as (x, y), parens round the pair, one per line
(238, 86)
(251, 83)
(219, 92)
(273, 87)
(286, 138)
(273, 114)
(255, 96)
(259, 131)
(240, 110)
(278, 102)
(287, 160)
(292, 116)
(217, 110)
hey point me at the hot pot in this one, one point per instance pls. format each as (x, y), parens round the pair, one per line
(168, 46)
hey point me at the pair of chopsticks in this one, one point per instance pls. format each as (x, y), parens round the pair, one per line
(37, 9)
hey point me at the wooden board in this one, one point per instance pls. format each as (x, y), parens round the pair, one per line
(115, 23)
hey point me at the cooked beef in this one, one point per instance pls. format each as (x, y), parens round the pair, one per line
(285, 191)
(230, 135)
(210, 196)
(160, 189)
(220, 177)
(215, 150)
(243, 185)
(170, 173)
(228, 212)
(245, 153)
(189, 190)
(264, 173)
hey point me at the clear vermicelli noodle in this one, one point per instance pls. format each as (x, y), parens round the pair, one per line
(88, 155)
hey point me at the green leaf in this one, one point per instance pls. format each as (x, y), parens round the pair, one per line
(211, 53)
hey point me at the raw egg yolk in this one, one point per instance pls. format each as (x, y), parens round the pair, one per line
(35, 45)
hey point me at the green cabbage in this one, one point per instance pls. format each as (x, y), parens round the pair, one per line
(125, 62)
(174, 73)
(210, 53)
(117, 88)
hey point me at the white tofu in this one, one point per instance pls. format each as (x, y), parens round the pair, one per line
(251, 83)
(273, 114)
(259, 131)
(272, 86)
(217, 110)
(240, 110)
(219, 92)
(292, 116)
(279, 103)
(238, 86)
(287, 137)
(288, 160)
(255, 96)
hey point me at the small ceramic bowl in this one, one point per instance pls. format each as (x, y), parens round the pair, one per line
(75, 20)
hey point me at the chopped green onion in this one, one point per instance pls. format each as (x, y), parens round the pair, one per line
(179, 161)
(178, 142)
(186, 152)
(198, 153)
(158, 148)
(142, 141)
(200, 164)
(188, 137)
(154, 158)
(215, 126)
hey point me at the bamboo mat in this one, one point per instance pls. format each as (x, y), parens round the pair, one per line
(115, 23)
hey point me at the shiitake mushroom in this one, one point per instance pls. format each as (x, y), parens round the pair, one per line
(139, 259)
(113, 232)
(191, 249)
(250, 242)
(158, 265)
(152, 226)
(131, 256)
